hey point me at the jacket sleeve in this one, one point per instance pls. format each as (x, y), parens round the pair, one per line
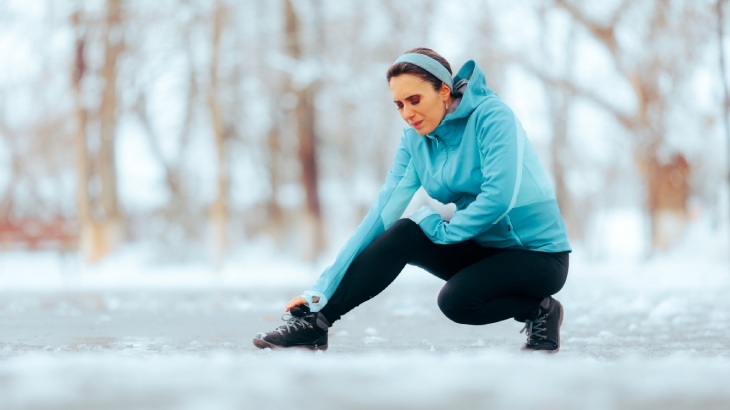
(396, 193)
(501, 140)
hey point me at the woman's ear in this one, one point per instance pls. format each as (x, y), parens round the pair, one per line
(445, 92)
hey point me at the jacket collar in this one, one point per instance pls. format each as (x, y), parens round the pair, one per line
(472, 79)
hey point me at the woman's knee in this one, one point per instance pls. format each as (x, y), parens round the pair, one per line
(451, 305)
(404, 230)
(404, 225)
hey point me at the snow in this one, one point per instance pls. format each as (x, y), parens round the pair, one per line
(484, 379)
(134, 332)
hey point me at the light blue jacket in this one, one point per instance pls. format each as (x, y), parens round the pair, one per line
(478, 158)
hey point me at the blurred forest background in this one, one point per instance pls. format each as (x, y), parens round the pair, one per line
(202, 126)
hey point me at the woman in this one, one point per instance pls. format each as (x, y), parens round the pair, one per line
(503, 253)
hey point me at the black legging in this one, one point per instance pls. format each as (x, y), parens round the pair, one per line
(483, 285)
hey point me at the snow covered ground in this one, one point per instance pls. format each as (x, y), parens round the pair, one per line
(132, 335)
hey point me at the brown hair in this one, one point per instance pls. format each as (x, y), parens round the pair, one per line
(407, 68)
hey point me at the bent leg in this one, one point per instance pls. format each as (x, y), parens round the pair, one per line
(508, 284)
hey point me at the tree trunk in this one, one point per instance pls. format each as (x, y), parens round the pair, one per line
(310, 180)
(559, 101)
(667, 198)
(724, 82)
(272, 223)
(274, 212)
(82, 156)
(667, 180)
(304, 117)
(90, 241)
(559, 109)
(99, 215)
(111, 223)
(219, 209)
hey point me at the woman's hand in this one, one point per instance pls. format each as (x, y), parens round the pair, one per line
(295, 302)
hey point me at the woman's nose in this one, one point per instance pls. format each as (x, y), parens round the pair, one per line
(406, 113)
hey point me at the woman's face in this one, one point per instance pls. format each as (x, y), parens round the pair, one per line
(419, 104)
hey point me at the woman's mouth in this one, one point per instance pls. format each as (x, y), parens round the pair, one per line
(417, 124)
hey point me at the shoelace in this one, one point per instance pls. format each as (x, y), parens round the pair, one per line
(535, 329)
(292, 322)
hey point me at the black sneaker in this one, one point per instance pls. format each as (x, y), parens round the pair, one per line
(302, 329)
(543, 331)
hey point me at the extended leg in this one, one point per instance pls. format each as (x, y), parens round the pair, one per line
(381, 262)
(368, 275)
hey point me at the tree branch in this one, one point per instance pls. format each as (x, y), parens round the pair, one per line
(627, 120)
(604, 34)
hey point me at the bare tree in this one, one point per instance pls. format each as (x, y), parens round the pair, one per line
(559, 100)
(113, 44)
(89, 241)
(665, 187)
(273, 221)
(723, 78)
(219, 210)
(304, 117)
(99, 213)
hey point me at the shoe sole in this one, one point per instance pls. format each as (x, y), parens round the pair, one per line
(263, 344)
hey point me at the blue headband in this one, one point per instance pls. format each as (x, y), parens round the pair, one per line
(428, 64)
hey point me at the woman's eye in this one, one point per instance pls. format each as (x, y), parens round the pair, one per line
(415, 101)
(398, 106)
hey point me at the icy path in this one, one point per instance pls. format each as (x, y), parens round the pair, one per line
(634, 337)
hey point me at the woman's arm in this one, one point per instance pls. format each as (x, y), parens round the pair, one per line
(501, 142)
(394, 196)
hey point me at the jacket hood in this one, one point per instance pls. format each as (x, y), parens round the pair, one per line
(475, 93)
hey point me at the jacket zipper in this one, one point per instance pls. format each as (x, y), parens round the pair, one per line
(511, 230)
(443, 166)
